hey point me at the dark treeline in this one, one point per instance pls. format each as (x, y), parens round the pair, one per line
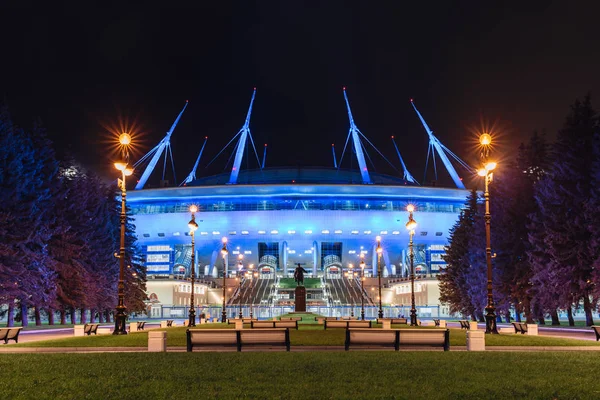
(59, 231)
(545, 208)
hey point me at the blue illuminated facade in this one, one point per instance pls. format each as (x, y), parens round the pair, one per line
(321, 218)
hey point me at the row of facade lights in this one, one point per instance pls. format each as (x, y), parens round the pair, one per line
(488, 166)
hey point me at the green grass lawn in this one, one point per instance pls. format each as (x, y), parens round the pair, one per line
(33, 327)
(307, 335)
(313, 375)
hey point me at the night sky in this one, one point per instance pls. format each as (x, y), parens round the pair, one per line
(468, 65)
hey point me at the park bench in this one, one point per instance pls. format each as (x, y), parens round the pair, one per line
(347, 324)
(237, 339)
(331, 318)
(398, 338)
(393, 321)
(88, 329)
(274, 324)
(520, 327)
(290, 318)
(436, 322)
(231, 321)
(140, 325)
(597, 332)
(11, 333)
(464, 324)
(169, 323)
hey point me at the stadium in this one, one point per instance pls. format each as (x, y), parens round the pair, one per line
(255, 227)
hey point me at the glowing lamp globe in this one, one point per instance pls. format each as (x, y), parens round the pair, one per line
(490, 166)
(128, 171)
(485, 139)
(192, 225)
(193, 208)
(411, 224)
(410, 208)
(125, 139)
(120, 165)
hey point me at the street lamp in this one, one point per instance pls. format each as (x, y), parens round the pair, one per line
(224, 253)
(240, 267)
(193, 227)
(350, 276)
(124, 141)
(251, 268)
(411, 225)
(362, 289)
(486, 172)
(379, 251)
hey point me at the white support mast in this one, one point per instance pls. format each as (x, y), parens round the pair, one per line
(241, 145)
(158, 150)
(440, 148)
(192, 176)
(354, 131)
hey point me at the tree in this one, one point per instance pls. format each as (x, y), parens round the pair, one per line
(562, 196)
(453, 287)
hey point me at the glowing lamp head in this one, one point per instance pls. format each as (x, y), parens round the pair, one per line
(482, 172)
(240, 256)
(411, 224)
(224, 251)
(125, 139)
(490, 166)
(193, 208)
(378, 238)
(128, 171)
(193, 225)
(485, 139)
(362, 264)
(120, 165)
(410, 208)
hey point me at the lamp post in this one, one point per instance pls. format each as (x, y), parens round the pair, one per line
(251, 268)
(362, 289)
(411, 225)
(350, 276)
(125, 141)
(379, 251)
(224, 253)
(240, 267)
(486, 172)
(193, 227)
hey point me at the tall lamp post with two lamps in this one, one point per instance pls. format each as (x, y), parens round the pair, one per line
(120, 316)
(240, 268)
(379, 250)
(485, 140)
(193, 225)
(224, 253)
(362, 289)
(411, 225)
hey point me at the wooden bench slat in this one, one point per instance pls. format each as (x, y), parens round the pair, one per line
(238, 338)
(398, 337)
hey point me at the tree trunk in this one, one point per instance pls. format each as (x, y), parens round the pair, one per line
(24, 316)
(38, 316)
(50, 316)
(554, 316)
(587, 307)
(107, 314)
(82, 316)
(63, 317)
(11, 313)
(72, 316)
(92, 316)
(507, 317)
(481, 317)
(100, 317)
(527, 311)
(570, 316)
(517, 317)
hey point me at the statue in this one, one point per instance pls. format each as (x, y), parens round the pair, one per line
(299, 275)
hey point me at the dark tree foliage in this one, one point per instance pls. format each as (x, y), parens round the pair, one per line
(563, 198)
(453, 284)
(59, 230)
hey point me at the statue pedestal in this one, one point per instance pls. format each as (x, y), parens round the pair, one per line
(300, 299)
